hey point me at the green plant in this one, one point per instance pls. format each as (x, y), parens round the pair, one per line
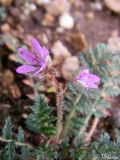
(68, 137)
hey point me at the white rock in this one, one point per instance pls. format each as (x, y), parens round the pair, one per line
(39, 2)
(60, 52)
(24, 115)
(114, 43)
(28, 8)
(57, 7)
(113, 5)
(66, 21)
(33, 7)
(97, 6)
(70, 65)
(59, 49)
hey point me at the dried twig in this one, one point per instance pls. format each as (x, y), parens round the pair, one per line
(92, 129)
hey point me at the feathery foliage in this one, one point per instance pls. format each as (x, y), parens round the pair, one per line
(80, 106)
(25, 152)
(10, 151)
(7, 133)
(41, 120)
(10, 144)
(105, 64)
(20, 135)
(45, 152)
(97, 150)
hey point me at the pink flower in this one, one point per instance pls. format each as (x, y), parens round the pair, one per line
(88, 80)
(36, 60)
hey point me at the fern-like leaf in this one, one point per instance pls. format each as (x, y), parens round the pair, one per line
(7, 130)
(20, 135)
(42, 119)
(25, 152)
(10, 151)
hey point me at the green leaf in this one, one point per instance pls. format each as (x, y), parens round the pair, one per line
(10, 150)
(46, 152)
(20, 135)
(25, 152)
(112, 90)
(7, 130)
(42, 119)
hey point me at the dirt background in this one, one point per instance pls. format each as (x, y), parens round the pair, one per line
(92, 22)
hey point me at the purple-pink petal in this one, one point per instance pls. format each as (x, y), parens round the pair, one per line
(88, 80)
(88, 84)
(83, 83)
(39, 70)
(84, 72)
(91, 85)
(38, 51)
(25, 69)
(45, 51)
(93, 78)
(36, 60)
(26, 56)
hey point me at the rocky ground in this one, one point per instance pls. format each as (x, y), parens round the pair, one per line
(66, 27)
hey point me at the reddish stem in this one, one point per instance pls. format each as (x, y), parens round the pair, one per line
(59, 104)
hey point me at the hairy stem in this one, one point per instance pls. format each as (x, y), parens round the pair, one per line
(70, 116)
(59, 104)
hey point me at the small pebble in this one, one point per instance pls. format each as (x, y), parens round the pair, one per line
(48, 20)
(5, 28)
(113, 5)
(8, 78)
(24, 115)
(90, 15)
(114, 43)
(15, 91)
(39, 2)
(57, 7)
(60, 52)
(97, 6)
(66, 21)
(115, 33)
(77, 41)
(70, 65)
(6, 2)
(33, 7)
